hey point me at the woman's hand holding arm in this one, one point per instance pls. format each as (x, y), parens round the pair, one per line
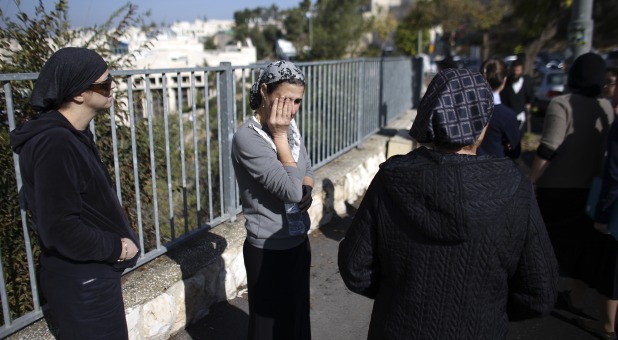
(305, 202)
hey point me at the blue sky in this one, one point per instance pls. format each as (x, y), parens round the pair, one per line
(89, 12)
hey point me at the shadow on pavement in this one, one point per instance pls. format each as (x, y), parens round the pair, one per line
(336, 228)
(226, 320)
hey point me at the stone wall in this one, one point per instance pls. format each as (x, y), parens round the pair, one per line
(179, 287)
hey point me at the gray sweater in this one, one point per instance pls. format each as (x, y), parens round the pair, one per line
(265, 184)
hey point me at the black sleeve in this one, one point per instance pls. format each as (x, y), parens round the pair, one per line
(534, 286)
(358, 256)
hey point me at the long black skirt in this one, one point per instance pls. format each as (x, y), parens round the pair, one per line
(582, 252)
(278, 288)
(84, 308)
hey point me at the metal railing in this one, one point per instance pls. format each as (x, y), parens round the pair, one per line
(168, 140)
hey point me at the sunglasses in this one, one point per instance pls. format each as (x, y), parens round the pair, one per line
(103, 88)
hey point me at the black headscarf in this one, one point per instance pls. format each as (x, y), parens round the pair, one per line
(587, 75)
(66, 74)
(455, 109)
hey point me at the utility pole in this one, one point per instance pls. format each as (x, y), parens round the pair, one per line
(309, 16)
(580, 27)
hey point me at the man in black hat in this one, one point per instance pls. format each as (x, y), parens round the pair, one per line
(518, 93)
(85, 238)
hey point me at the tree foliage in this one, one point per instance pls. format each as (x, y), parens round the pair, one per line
(384, 25)
(297, 26)
(452, 16)
(257, 24)
(337, 29)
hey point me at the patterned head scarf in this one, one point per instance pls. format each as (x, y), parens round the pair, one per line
(66, 74)
(275, 72)
(454, 110)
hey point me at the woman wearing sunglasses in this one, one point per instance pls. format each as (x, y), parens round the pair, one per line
(85, 238)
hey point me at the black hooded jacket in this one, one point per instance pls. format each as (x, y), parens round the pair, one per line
(450, 247)
(75, 210)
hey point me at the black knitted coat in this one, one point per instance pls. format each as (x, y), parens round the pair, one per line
(450, 247)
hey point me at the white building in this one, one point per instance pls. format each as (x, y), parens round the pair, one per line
(397, 7)
(200, 28)
(177, 47)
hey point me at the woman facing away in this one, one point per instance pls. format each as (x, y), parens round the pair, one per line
(571, 152)
(450, 245)
(275, 179)
(502, 137)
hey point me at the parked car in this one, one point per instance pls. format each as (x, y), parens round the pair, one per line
(545, 60)
(548, 83)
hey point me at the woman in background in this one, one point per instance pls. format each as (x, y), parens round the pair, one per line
(502, 137)
(571, 153)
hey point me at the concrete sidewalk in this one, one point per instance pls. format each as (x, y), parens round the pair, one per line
(337, 313)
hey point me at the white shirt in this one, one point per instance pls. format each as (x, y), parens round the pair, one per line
(518, 84)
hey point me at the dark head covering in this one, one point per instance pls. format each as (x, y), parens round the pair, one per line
(447, 62)
(273, 73)
(66, 74)
(454, 110)
(587, 75)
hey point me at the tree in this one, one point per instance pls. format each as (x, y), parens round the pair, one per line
(296, 25)
(337, 28)
(605, 16)
(454, 15)
(384, 25)
(532, 25)
(254, 24)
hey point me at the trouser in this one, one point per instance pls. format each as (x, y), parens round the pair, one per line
(84, 308)
(278, 288)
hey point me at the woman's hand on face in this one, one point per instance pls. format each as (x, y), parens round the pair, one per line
(280, 117)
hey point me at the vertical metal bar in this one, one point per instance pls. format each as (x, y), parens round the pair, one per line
(300, 117)
(168, 161)
(208, 137)
(138, 200)
(340, 103)
(314, 116)
(361, 99)
(196, 154)
(219, 100)
(185, 208)
(227, 133)
(321, 116)
(153, 170)
(329, 111)
(24, 222)
(306, 110)
(244, 95)
(345, 103)
(112, 118)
